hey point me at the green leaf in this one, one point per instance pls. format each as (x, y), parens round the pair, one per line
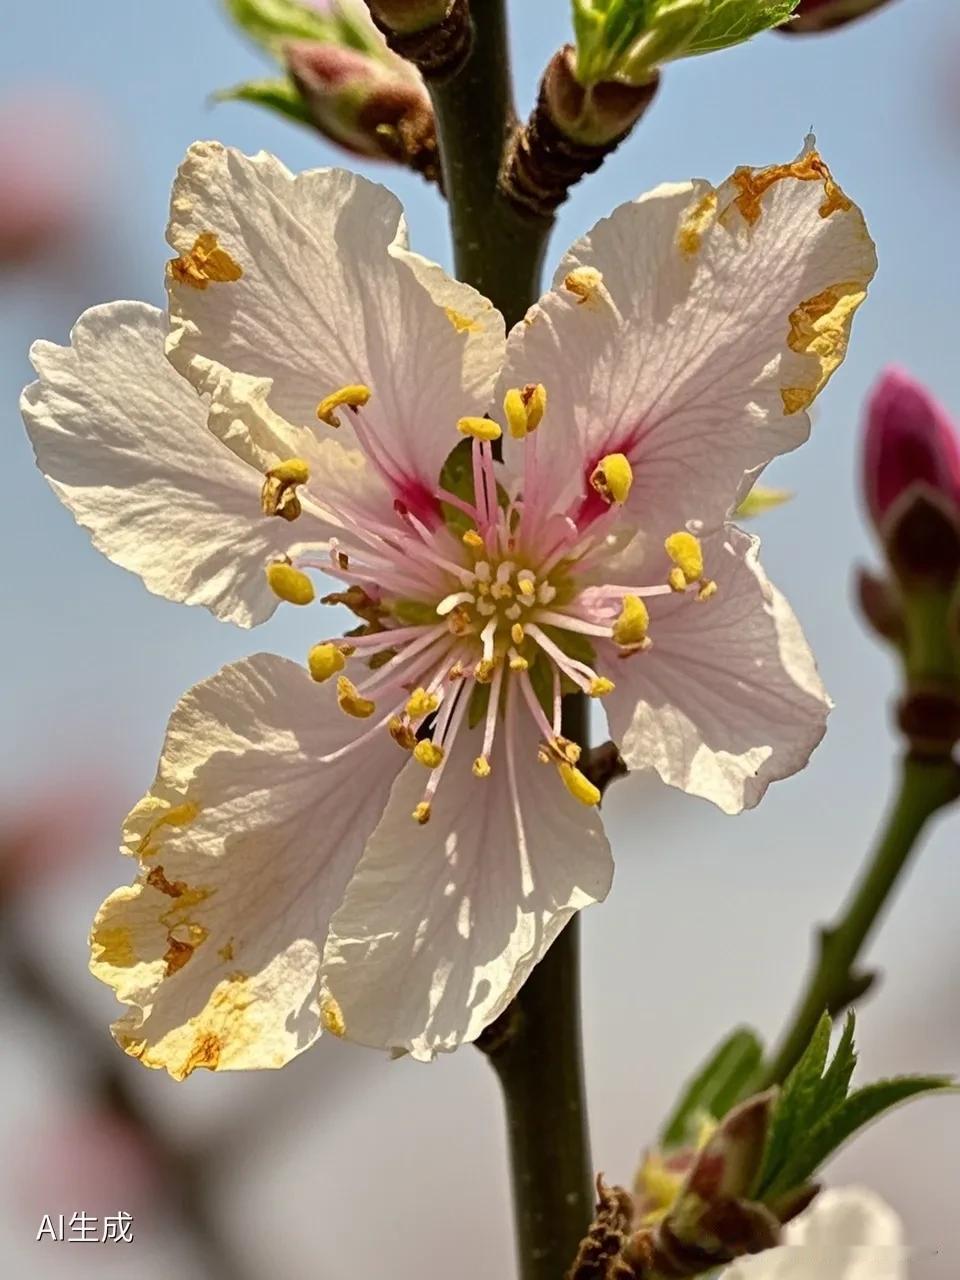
(270, 22)
(721, 1082)
(731, 22)
(836, 1080)
(843, 1121)
(276, 95)
(456, 476)
(798, 1103)
(761, 499)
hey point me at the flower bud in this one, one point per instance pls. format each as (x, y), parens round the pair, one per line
(910, 440)
(370, 106)
(823, 15)
(597, 115)
(406, 16)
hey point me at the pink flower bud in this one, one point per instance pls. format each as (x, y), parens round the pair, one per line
(822, 15)
(909, 440)
(375, 107)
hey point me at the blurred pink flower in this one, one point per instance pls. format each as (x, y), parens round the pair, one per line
(823, 15)
(909, 439)
(93, 1160)
(48, 157)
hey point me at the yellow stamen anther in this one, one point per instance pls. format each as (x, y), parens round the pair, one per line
(324, 661)
(401, 733)
(289, 583)
(354, 396)
(600, 687)
(524, 408)
(527, 587)
(331, 1015)
(517, 633)
(428, 753)
(633, 623)
(578, 784)
(612, 477)
(481, 767)
(421, 813)
(278, 496)
(583, 282)
(687, 554)
(420, 704)
(483, 671)
(676, 581)
(519, 663)
(350, 700)
(479, 428)
(472, 540)
(707, 591)
(293, 471)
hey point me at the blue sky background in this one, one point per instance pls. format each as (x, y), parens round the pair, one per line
(709, 919)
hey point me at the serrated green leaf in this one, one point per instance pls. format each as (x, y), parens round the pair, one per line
(836, 1080)
(732, 22)
(276, 95)
(840, 1124)
(798, 1103)
(720, 1083)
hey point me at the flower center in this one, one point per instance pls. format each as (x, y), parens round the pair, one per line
(492, 612)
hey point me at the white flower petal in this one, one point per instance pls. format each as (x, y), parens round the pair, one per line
(122, 440)
(328, 297)
(719, 316)
(728, 699)
(246, 841)
(847, 1234)
(442, 923)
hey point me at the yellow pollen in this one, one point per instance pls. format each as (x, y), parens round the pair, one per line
(519, 663)
(421, 813)
(331, 1015)
(428, 754)
(481, 767)
(517, 634)
(527, 587)
(353, 397)
(583, 282)
(401, 733)
(472, 540)
(324, 661)
(479, 428)
(600, 687)
(483, 671)
(633, 623)
(687, 554)
(707, 591)
(289, 583)
(676, 581)
(524, 408)
(206, 263)
(420, 704)
(351, 701)
(578, 784)
(613, 477)
(293, 471)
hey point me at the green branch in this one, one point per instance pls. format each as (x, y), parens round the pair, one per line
(927, 785)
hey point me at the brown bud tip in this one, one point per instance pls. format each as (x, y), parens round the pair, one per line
(594, 117)
(435, 35)
(405, 16)
(824, 15)
(879, 605)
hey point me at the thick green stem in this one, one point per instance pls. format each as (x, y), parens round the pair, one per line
(926, 786)
(497, 249)
(535, 1046)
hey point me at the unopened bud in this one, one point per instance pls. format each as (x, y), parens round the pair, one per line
(909, 439)
(370, 106)
(407, 16)
(824, 15)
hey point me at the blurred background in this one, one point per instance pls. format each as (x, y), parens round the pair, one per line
(347, 1164)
